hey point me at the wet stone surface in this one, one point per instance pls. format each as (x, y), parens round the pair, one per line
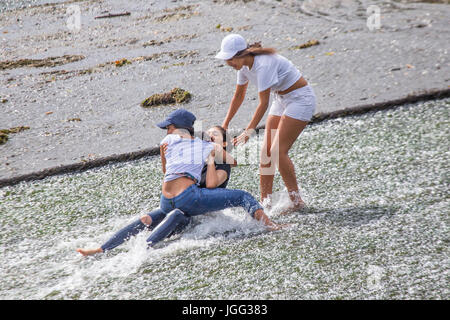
(172, 44)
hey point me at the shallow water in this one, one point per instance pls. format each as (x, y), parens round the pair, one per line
(376, 227)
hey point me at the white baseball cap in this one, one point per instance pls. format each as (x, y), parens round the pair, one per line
(231, 44)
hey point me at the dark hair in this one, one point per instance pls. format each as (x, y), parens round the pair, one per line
(254, 49)
(223, 132)
(188, 129)
(225, 137)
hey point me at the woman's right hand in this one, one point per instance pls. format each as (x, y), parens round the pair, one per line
(225, 125)
(243, 137)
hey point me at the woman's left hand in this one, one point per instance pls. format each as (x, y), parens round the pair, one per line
(211, 157)
(164, 148)
(243, 137)
(218, 148)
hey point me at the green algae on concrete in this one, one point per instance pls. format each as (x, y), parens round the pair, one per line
(14, 130)
(175, 14)
(47, 62)
(176, 95)
(308, 44)
(5, 132)
(170, 39)
(3, 138)
(66, 74)
(122, 62)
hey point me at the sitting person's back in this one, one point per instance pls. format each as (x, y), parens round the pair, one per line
(185, 157)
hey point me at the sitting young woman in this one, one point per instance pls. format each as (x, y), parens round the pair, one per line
(183, 157)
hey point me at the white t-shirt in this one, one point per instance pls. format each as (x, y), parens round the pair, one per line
(185, 155)
(269, 71)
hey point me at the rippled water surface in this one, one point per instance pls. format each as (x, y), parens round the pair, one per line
(376, 226)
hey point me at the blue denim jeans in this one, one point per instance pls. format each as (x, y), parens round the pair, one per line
(174, 214)
(195, 201)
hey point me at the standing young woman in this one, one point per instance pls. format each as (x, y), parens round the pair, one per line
(292, 108)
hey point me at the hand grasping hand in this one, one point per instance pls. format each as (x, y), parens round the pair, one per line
(243, 137)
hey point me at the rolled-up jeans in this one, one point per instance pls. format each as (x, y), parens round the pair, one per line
(174, 213)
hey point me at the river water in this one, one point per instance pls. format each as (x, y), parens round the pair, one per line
(376, 226)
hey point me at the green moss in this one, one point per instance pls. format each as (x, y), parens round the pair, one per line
(122, 62)
(173, 16)
(5, 132)
(3, 138)
(176, 95)
(37, 63)
(180, 95)
(308, 44)
(14, 130)
(174, 65)
(226, 29)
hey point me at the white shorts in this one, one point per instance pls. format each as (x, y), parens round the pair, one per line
(299, 104)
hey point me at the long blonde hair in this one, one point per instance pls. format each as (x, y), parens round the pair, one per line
(254, 49)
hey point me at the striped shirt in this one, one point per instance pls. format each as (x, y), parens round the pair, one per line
(185, 157)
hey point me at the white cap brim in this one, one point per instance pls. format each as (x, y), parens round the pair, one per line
(225, 55)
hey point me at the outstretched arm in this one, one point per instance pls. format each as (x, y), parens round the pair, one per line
(236, 102)
(264, 97)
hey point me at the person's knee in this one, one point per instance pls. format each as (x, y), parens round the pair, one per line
(265, 164)
(182, 220)
(176, 212)
(265, 155)
(278, 151)
(266, 168)
(265, 160)
(178, 215)
(147, 220)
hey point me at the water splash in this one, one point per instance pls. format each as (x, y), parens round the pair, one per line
(376, 225)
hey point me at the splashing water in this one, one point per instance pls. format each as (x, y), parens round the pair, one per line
(376, 225)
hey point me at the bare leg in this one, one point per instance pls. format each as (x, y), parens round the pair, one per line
(146, 220)
(267, 168)
(288, 131)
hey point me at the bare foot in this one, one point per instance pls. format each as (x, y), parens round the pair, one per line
(296, 208)
(89, 252)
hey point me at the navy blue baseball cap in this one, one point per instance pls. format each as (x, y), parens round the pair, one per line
(181, 118)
